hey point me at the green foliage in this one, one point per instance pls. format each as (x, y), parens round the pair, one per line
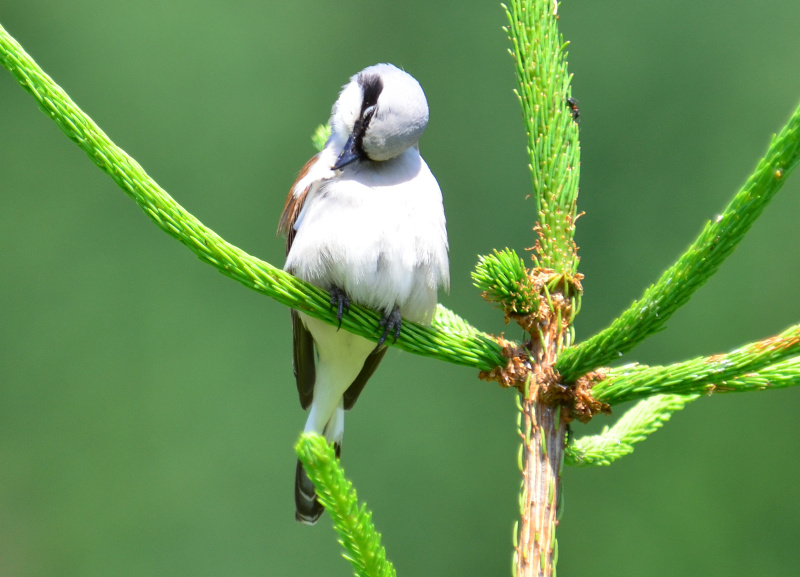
(633, 427)
(503, 279)
(543, 86)
(450, 321)
(737, 371)
(321, 136)
(778, 376)
(716, 242)
(353, 523)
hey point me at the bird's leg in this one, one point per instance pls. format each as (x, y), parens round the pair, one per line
(341, 301)
(391, 323)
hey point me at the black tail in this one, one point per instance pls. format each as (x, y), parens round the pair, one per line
(308, 507)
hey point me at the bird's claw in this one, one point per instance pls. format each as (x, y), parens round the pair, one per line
(391, 323)
(341, 301)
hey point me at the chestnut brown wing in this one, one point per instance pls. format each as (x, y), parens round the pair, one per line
(304, 360)
(293, 205)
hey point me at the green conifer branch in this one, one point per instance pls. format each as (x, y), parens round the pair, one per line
(321, 136)
(773, 363)
(737, 371)
(353, 523)
(778, 376)
(470, 348)
(543, 87)
(645, 418)
(503, 279)
(715, 243)
(449, 321)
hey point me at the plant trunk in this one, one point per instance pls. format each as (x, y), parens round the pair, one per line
(544, 435)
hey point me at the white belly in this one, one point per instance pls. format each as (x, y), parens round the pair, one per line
(385, 245)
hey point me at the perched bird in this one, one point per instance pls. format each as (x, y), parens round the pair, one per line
(364, 221)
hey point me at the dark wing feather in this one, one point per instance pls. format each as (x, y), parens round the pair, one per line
(304, 361)
(373, 360)
(305, 370)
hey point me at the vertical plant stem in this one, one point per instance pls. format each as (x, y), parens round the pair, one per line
(543, 455)
(543, 434)
(544, 91)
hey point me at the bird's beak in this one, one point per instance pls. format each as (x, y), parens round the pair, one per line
(350, 153)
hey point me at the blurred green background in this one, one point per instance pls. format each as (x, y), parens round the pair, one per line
(147, 406)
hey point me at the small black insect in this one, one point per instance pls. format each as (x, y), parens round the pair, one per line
(573, 108)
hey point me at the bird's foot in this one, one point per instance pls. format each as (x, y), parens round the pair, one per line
(341, 301)
(391, 323)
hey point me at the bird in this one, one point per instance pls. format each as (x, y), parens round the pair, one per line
(365, 221)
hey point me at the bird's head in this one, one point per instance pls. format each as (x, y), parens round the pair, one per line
(380, 114)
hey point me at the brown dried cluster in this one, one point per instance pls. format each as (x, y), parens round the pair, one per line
(551, 302)
(516, 372)
(584, 406)
(530, 364)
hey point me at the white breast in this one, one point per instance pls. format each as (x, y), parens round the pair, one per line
(377, 231)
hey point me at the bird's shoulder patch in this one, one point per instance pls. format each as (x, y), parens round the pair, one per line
(294, 202)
